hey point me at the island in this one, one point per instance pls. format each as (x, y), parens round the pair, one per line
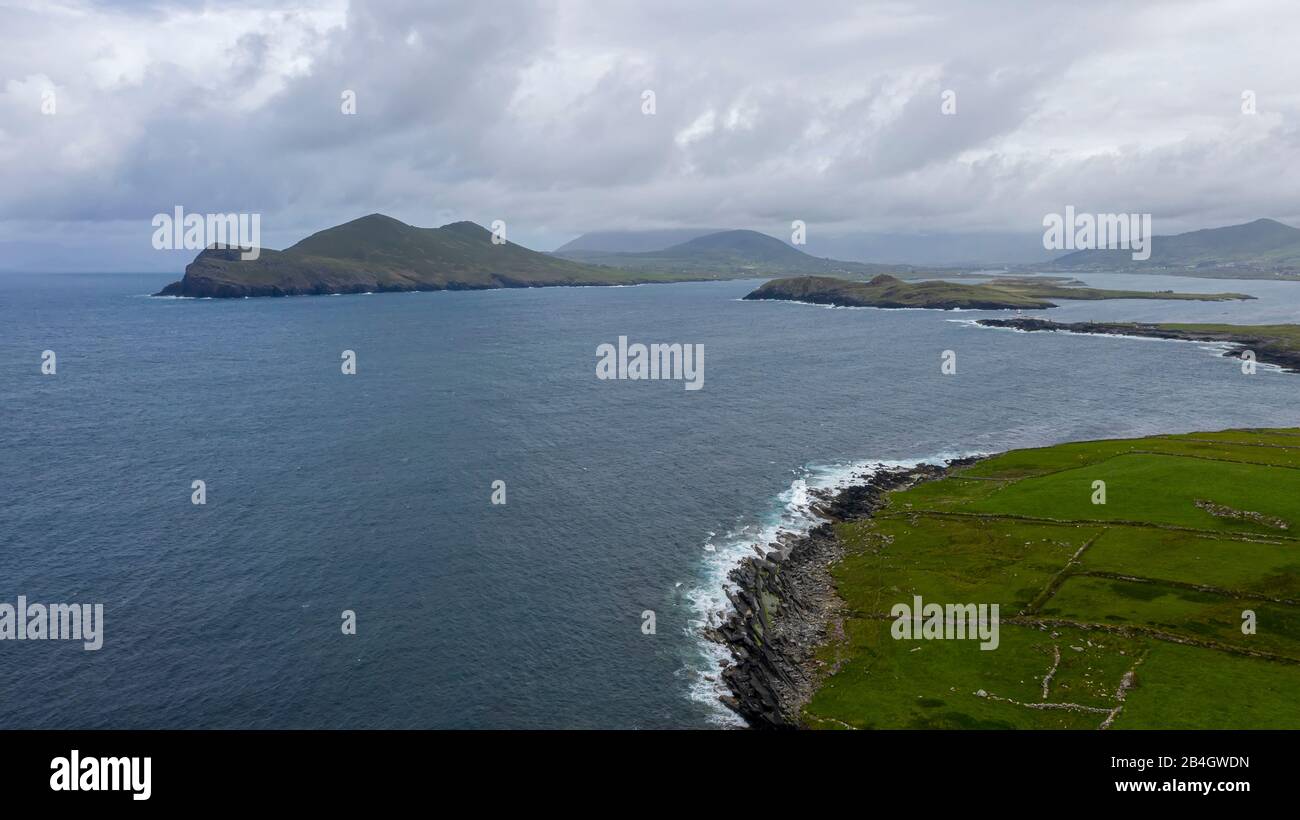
(1272, 344)
(1158, 608)
(1003, 293)
(377, 253)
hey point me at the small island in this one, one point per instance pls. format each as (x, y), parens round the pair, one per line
(1272, 344)
(1006, 293)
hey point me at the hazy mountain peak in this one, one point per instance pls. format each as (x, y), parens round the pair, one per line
(736, 240)
(631, 241)
(1261, 245)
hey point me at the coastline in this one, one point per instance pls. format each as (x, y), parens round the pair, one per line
(203, 288)
(1266, 351)
(785, 605)
(808, 651)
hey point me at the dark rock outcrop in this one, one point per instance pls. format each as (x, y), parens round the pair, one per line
(1271, 350)
(786, 606)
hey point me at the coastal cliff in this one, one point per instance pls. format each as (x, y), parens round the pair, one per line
(786, 606)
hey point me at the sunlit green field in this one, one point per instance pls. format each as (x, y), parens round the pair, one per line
(1121, 615)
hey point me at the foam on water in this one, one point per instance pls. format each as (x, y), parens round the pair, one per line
(791, 513)
(1219, 349)
(481, 616)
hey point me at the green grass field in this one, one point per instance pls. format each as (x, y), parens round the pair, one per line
(1120, 615)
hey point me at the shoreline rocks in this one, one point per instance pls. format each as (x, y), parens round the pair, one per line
(1266, 350)
(786, 605)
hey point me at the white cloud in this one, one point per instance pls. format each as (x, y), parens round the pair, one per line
(532, 112)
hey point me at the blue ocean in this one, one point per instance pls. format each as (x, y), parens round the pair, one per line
(372, 493)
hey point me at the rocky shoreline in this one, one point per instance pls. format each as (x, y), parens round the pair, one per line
(786, 606)
(885, 291)
(1266, 350)
(1000, 293)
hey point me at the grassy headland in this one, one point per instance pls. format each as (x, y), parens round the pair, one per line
(886, 291)
(1126, 614)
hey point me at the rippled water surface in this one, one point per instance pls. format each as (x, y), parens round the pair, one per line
(371, 492)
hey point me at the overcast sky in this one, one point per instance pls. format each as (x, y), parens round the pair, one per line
(532, 112)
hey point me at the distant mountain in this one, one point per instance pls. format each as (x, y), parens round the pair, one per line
(734, 254)
(1264, 247)
(966, 250)
(378, 253)
(739, 245)
(631, 241)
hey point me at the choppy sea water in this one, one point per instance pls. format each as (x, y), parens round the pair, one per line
(372, 492)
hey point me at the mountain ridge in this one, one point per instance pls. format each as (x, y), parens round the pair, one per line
(1262, 245)
(736, 253)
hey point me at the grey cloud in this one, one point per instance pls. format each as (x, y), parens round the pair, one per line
(766, 112)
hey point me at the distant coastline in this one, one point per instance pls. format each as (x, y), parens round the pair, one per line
(379, 254)
(1272, 344)
(1005, 293)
